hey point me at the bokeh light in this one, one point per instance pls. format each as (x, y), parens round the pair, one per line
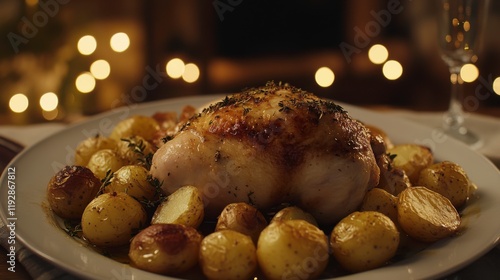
(119, 42)
(191, 73)
(100, 69)
(469, 73)
(50, 115)
(324, 77)
(175, 68)
(49, 101)
(392, 70)
(496, 85)
(378, 54)
(87, 45)
(18, 103)
(85, 82)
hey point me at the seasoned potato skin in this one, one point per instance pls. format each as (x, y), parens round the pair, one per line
(143, 126)
(105, 160)
(293, 213)
(412, 158)
(90, 146)
(228, 254)
(292, 249)
(168, 249)
(379, 200)
(364, 240)
(242, 217)
(132, 179)
(426, 215)
(70, 190)
(111, 219)
(448, 179)
(134, 150)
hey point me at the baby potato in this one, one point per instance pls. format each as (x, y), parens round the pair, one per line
(292, 249)
(293, 213)
(426, 215)
(165, 249)
(132, 179)
(111, 219)
(134, 150)
(448, 179)
(70, 190)
(228, 254)
(103, 161)
(364, 240)
(90, 146)
(381, 201)
(242, 217)
(143, 126)
(184, 206)
(412, 158)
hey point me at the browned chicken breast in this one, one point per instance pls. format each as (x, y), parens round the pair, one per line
(270, 145)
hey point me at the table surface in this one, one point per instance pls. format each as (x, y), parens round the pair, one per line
(489, 262)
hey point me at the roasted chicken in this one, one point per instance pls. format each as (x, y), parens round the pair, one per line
(272, 145)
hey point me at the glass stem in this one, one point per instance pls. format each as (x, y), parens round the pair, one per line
(454, 118)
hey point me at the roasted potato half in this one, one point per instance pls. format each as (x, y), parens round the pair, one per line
(70, 190)
(364, 240)
(112, 219)
(381, 201)
(168, 249)
(448, 179)
(242, 217)
(184, 206)
(412, 158)
(228, 254)
(143, 126)
(90, 146)
(292, 249)
(426, 215)
(293, 213)
(105, 160)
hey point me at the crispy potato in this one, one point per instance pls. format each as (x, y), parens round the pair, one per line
(242, 217)
(364, 240)
(132, 179)
(165, 248)
(228, 254)
(135, 150)
(293, 213)
(70, 190)
(103, 161)
(90, 146)
(184, 206)
(381, 201)
(448, 179)
(426, 215)
(292, 249)
(412, 158)
(111, 219)
(143, 126)
(392, 179)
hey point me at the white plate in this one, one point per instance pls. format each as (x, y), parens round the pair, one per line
(36, 165)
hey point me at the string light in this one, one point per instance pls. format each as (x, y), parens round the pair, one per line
(175, 68)
(392, 70)
(18, 103)
(378, 54)
(100, 69)
(469, 73)
(324, 77)
(49, 101)
(119, 42)
(87, 45)
(85, 82)
(191, 73)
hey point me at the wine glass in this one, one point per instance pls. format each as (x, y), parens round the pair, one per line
(460, 29)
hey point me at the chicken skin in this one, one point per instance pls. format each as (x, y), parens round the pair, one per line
(271, 145)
